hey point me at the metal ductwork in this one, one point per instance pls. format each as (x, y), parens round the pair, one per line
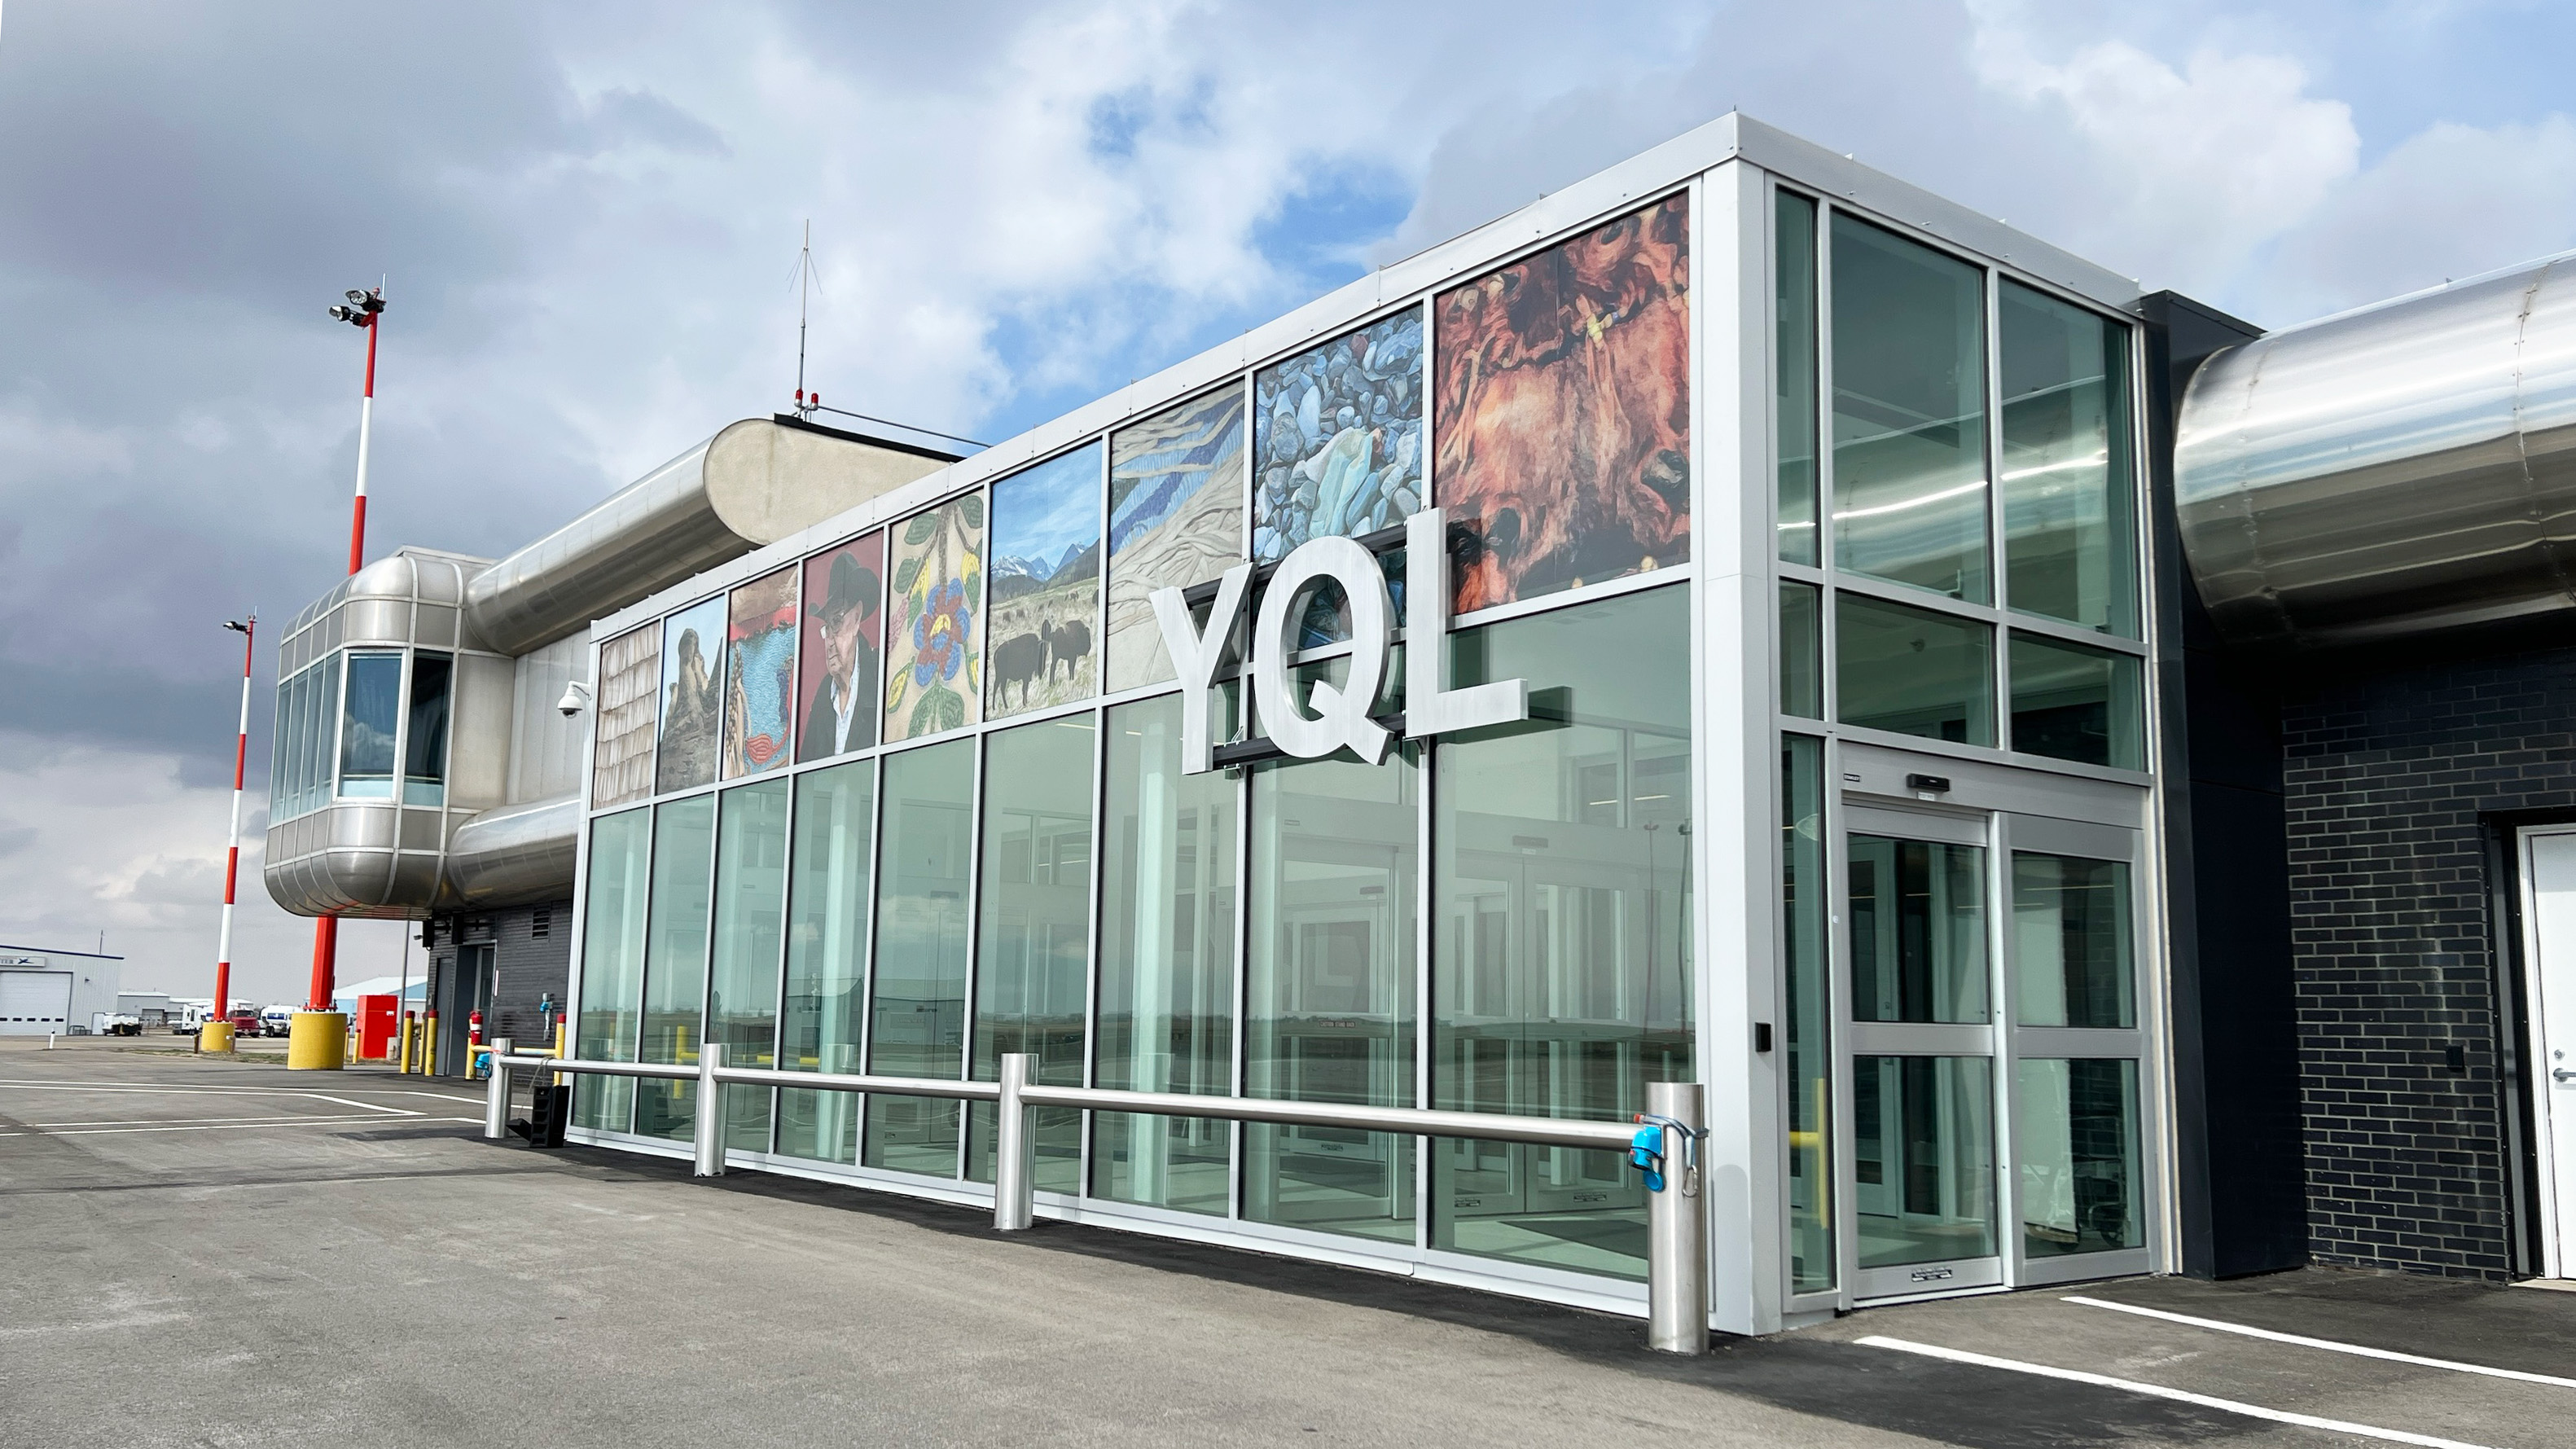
(754, 483)
(517, 854)
(2402, 469)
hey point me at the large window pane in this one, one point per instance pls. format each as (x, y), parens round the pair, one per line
(918, 994)
(2069, 511)
(1561, 966)
(1918, 930)
(1794, 280)
(612, 965)
(368, 720)
(1909, 413)
(675, 962)
(1809, 1013)
(1166, 963)
(1913, 671)
(1923, 1159)
(425, 739)
(2071, 943)
(2075, 1135)
(750, 906)
(2074, 703)
(1802, 650)
(1035, 949)
(1330, 1013)
(827, 934)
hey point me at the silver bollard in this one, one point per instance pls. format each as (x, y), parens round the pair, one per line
(1014, 1165)
(496, 1094)
(1677, 1230)
(711, 1123)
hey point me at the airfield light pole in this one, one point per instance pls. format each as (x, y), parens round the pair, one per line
(248, 628)
(362, 310)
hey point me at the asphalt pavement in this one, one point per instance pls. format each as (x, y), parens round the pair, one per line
(204, 1252)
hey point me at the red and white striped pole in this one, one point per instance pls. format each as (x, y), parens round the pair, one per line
(364, 309)
(249, 630)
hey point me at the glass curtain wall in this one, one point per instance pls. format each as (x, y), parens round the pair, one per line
(308, 706)
(1808, 1009)
(917, 1000)
(2075, 1120)
(612, 965)
(1909, 387)
(1329, 1001)
(2069, 550)
(1561, 978)
(1166, 999)
(675, 962)
(827, 933)
(1794, 374)
(742, 982)
(368, 719)
(425, 732)
(1033, 957)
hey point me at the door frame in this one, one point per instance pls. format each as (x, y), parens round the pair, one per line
(2557, 1255)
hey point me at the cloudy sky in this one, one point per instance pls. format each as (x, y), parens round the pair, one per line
(589, 216)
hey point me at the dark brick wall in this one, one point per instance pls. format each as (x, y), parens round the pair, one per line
(2396, 773)
(532, 958)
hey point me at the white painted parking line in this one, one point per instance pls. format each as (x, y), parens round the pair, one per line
(224, 1126)
(367, 1106)
(444, 1097)
(2132, 1386)
(2327, 1344)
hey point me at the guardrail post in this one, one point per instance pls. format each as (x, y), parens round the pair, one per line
(711, 1117)
(1677, 1231)
(1014, 1165)
(496, 1094)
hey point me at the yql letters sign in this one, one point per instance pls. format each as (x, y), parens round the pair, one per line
(1331, 718)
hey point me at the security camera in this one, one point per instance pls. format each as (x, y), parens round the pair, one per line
(576, 698)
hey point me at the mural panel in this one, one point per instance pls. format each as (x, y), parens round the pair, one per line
(1175, 518)
(1340, 438)
(1045, 577)
(760, 674)
(1561, 424)
(692, 649)
(630, 668)
(839, 667)
(935, 668)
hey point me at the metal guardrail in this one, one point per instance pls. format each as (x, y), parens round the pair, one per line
(1676, 1214)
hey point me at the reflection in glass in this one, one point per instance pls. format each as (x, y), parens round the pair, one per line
(2071, 943)
(1330, 1001)
(2075, 1136)
(1802, 650)
(1561, 956)
(1035, 911)
(367, 722)
(827, 933)
(2068, 507)
(1166, 963)
(742, 982)
(1909, 413)
(918, 1001)
(612, 965)
(1913, 671)
(1809, 1013)
(1794, 280)
(425, 736)
(2074, 703)
(675, 962)
(1923, 1159)
(1918, 930)
(300, 764)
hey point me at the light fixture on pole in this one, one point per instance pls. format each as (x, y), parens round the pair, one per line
(363, 310)
(217, 1032)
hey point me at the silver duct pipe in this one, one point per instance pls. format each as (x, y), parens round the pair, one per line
(2405, 468)
(517, 854)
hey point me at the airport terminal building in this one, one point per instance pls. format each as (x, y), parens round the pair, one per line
(2086, 785)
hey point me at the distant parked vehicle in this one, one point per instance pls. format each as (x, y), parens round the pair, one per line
(120, 1024)
(275, 1021)
(245, 1022)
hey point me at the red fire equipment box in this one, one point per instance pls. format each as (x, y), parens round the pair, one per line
(375, 1027)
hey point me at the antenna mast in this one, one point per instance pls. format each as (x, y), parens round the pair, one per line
(804, 276)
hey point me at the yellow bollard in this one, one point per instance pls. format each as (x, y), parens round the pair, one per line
(215, 1036)
(429, 1045)
(317, 1041)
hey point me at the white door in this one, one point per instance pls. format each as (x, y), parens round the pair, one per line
(33, 1003)
(2549, 951)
